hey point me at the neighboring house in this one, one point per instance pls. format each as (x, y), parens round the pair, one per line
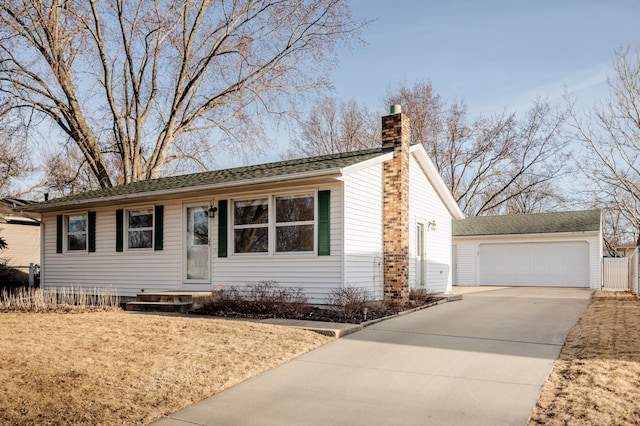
(623, 250)
(22, 234)
(363, 219)
(560, 249)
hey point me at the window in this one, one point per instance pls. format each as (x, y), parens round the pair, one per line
(251, 226)
(294, 223)
(76, 227)
(288, 220)
(140, 228)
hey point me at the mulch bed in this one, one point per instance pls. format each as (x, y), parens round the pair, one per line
(353, 315)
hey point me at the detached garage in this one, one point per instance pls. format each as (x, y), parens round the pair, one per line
(561, 249)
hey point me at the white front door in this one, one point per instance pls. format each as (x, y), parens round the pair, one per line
(197, 253)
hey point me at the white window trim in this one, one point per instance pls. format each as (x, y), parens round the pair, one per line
(272, 225)
(66, 233)
(127, 229)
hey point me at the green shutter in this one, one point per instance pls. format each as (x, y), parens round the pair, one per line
(119, 229)
(222, 228)
(92, 231)
(159, 228)
(59, 233)
(324, 229)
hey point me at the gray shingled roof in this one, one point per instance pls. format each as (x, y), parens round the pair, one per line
(227, 177)
(536, 223)
(8, 204)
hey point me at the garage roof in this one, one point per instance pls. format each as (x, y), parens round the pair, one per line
(535, 223)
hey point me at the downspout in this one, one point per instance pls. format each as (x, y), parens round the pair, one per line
(42, 230)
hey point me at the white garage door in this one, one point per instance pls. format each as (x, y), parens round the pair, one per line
(535, 264)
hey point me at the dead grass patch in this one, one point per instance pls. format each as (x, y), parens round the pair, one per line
(596, 379)
(119, 368)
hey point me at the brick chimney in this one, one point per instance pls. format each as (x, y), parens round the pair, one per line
(395, 216)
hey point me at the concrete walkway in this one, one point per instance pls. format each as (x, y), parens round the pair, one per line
(479, 361)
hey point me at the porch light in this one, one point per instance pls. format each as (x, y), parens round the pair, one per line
(212, 210)
(432, 225)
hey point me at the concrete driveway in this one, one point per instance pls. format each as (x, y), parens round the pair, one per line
(479, 361)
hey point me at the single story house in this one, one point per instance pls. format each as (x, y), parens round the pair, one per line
(559, 249)
(378, 219)
(21, 232)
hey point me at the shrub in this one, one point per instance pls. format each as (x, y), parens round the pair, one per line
(354, 302)
(421, 296)
(11, 278)
(262, 299)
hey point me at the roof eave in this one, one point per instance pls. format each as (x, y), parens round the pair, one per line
(367, 163)
(528, 234)
(332, 173)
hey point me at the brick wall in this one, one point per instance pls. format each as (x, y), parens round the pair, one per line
(396, 137)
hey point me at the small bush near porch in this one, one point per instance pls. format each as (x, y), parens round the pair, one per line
(267, 299)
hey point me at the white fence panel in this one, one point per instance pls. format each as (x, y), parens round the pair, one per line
(615, 273)
(633, 272)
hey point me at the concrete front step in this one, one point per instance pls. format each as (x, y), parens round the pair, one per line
(165, 297)
(179, 307)
(181, 302)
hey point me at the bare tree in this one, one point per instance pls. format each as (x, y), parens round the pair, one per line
(67, 173)
(129, 80)
(14, 158)
(610, 132)
(497, 164)
(333, 127)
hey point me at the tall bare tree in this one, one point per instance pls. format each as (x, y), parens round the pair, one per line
(14, 157)
(610, 132)
(333, 127)
(497, 164)
(129, 80)
(67, 173)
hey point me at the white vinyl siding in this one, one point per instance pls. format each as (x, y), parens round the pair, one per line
(356, 239)
(425, 206)
(130, 272)
(363, 230)
(467, 258)
(317, 275)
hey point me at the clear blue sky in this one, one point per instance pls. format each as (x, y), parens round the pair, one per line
(496, 54)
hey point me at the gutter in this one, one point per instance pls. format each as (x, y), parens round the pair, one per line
(529, 234)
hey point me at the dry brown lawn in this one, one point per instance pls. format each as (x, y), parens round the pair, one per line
(121, 368)
(596, 379)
